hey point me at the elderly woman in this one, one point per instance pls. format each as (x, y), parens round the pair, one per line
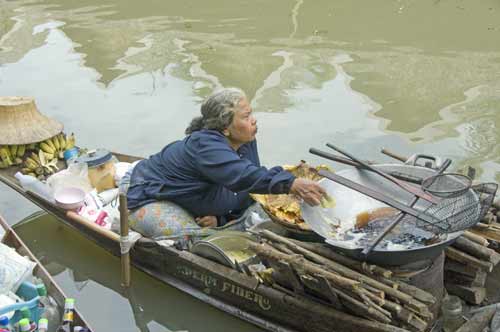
(206, 178)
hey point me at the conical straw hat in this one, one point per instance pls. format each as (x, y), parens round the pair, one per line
(22, 123)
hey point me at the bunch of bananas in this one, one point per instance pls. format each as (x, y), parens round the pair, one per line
(37, 159)
(37, 165)
(54, 147)
(44, 163)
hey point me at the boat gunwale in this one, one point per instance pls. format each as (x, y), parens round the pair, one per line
(11, 238)
(298, 312)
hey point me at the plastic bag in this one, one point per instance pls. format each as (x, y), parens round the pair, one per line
(14, 269)
(76, 175)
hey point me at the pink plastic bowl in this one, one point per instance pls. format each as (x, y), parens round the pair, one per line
(69, 198)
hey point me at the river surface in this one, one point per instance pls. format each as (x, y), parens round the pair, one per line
(412, 76)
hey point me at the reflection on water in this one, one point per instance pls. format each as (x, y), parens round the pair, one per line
(93, 278)
(411, 76)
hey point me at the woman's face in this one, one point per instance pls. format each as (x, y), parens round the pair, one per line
(244, 126)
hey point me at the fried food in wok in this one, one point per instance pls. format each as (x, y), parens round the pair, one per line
(285, 209)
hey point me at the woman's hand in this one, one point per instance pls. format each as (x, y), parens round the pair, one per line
(207, 221)
(310, 191)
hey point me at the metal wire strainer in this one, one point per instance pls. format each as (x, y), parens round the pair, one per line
(447, 185)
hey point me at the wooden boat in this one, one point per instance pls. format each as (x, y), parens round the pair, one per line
(11, 239)
(222, 287)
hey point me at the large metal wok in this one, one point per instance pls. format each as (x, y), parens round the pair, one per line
(350, 203)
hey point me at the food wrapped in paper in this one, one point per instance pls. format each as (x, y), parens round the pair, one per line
(285, 209)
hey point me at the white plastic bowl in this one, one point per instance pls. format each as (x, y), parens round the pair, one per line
(69, 198)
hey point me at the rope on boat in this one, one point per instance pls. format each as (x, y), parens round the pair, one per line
(127, 242)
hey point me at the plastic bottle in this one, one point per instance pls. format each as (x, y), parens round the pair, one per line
(50, 308)
(69, 306)
(43, 325)
(24, 325)
(26, 314)
(452, 313)
(5, 324)
(33, 184)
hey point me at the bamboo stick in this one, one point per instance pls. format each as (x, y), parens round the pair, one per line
(416, 292)
(269, 252)
(477, 250)
(346, 272)
(125, 257)
(492, 233)
(476, 238)
(351, 263)
(361, 308)
(464, 258)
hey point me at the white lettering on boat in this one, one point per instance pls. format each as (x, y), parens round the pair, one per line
(226, 286)
(247, 294)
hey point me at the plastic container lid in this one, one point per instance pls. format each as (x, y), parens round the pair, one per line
(43, 323)
(42, 291)
(95, 158)
(69, 303)
(24, 324)
(4, 321)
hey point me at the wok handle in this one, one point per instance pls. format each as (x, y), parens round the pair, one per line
(393, 155)
(366, 251)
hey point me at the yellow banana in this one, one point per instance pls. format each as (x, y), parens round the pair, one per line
(5, 155)
(13, 150)
(62, 141)
(47, 148)
(31, 164)
(70, 141)
(21, 150)
(55, 142)
(35, 157)
(49, 156)
(26, 170)
(48, 141)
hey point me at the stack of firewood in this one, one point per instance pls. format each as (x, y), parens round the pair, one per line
(471, 258)
(359, 288)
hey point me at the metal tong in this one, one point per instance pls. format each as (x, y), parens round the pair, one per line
(403, 185)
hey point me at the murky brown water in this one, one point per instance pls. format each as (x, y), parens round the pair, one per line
(414, 76)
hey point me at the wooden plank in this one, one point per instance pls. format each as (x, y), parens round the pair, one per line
(454, 266)
(473, 295)
(467, 259)
(478, 280)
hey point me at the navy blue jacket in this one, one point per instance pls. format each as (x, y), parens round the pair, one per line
(204, 175)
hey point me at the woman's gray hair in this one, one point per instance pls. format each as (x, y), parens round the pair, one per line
(217, 111)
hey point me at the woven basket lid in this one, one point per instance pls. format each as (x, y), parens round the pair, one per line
(22, 123)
